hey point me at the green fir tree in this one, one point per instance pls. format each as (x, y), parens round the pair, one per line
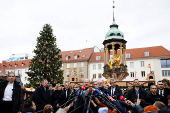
(46, 64)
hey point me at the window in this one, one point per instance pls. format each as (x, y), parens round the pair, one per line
(132, 74)
(72, 79)
(71, 52)
(80, 51)
(128, 55)
(82, 64)
(99, 75)
(165, 63)
(66, 57)
(99, 66)
(94, 67)
(67, 74)
(81, 74)
(152, 72)
(19, 72)
(112, 34)
(25, 78)
(166, 73)
(146, 53)
(68, 65)
(94, 75)
(118, 34)
(98, 57)
(131, 64)
(84, 56)
(75, 56)
(75, 65)
(143, 73)
(142, 64)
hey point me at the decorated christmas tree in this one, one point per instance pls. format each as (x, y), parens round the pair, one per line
(46, 64)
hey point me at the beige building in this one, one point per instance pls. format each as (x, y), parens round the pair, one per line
(76, 64)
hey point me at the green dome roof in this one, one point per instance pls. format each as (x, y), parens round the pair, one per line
(114, 32)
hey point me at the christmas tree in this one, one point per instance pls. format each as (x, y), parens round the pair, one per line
(46, 64)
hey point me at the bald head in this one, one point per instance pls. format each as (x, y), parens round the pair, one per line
(86, 83)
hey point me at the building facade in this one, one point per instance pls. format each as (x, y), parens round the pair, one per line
(96, 66)
(76, 64)
(89, 63)
(140, 62)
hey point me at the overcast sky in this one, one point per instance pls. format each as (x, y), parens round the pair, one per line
(81, 24)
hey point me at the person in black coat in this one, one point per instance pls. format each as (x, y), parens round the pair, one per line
(55, 98)
(100, 84)
(65, 95)
(164, 92)
(135, 91)
(42, 96)
(114, 89)
(10, 95)
(153, 96)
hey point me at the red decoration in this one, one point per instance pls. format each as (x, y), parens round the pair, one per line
(23, 88)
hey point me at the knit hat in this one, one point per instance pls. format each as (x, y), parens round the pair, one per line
(151, 109)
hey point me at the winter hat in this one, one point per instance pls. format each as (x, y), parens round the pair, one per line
(151, 109)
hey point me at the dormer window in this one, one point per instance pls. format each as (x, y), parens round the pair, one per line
(75, 56)
(118, 34)
(67, 57)
(146, 53)
(112, 34)
(98, 57)
(128, 55)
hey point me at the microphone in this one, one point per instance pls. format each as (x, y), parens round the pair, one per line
(79, 92)
(122, 98)
(87, 92)
(99, 92)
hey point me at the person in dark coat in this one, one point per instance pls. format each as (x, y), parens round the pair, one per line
(100, 84)
(50, 88)
(114, 90)
(136, 91)
(153, 96)
(42, 96)
(65, 95)
(55, 98)
(164, 92)
(10, 95)
(166, 109)
(149, 85)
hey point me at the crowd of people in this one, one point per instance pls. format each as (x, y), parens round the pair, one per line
(98, 98)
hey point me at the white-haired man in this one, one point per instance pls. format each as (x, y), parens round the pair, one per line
(114, 90)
